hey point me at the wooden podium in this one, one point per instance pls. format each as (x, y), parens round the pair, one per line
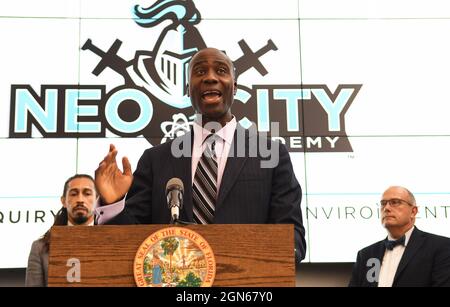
(246, 255)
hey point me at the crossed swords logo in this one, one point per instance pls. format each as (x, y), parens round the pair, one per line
(110, 59)
(161, 73)
(249, 59)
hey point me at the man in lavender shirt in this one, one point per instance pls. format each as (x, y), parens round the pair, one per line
(249, 191)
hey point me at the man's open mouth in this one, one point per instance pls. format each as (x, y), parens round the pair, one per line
(211, 96)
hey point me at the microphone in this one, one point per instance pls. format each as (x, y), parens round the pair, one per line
(174, 194)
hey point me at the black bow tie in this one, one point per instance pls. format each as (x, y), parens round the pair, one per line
(391, 244)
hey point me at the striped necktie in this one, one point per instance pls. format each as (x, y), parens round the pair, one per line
(205, 184)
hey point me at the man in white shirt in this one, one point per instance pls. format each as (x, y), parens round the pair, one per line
(79, 199)
(408, 256)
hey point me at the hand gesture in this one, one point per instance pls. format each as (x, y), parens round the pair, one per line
(111, 183)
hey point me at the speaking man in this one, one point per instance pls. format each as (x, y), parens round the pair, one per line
(224, 174)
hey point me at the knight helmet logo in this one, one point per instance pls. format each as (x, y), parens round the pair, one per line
(153, 100)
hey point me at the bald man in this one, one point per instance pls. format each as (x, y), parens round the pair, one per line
(408, 257)
(224, 177)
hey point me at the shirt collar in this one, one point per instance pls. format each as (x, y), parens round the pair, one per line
(226, 133)
(70, 224)
(407, 235)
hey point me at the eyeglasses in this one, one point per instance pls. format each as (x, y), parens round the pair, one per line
(394, 202)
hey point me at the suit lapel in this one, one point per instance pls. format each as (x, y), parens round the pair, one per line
(415, 242)
(379, 251)
(182, 168)
(233, 166)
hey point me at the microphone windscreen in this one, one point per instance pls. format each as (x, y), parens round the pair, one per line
(175, 183)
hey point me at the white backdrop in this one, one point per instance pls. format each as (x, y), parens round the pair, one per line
(398, 51)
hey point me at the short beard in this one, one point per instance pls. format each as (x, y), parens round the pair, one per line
(80, 219)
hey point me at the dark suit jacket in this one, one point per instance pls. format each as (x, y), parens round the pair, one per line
(248, 193)
(37, 269)
(425, 262)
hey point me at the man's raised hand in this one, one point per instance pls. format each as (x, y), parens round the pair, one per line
(113, 184)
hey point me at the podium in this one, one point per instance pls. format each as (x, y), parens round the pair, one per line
(247, 255)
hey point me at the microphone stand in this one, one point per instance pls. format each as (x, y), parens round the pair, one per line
(177, 221)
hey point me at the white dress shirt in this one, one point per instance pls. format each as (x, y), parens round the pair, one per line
(391, 260)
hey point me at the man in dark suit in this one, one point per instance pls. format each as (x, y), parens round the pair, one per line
(226, 178)
(408, 257)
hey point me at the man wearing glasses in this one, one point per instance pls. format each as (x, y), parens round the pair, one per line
(408, 257)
